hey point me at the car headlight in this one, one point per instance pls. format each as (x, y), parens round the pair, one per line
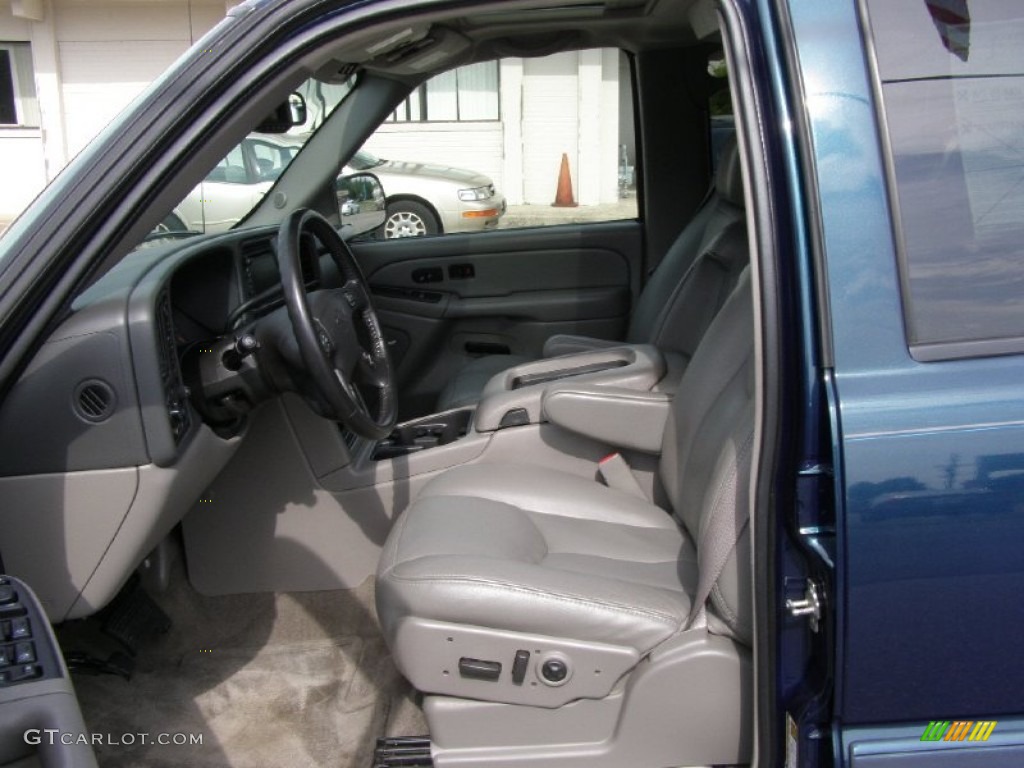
(479, 193)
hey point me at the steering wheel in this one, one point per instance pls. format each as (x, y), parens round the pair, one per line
(337, 331)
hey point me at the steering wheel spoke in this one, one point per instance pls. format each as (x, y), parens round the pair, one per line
(339, 337)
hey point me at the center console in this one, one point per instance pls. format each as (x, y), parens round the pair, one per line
(514, 397)
(420, 434)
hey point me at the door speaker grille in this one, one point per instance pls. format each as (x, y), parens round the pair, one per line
(94, 400)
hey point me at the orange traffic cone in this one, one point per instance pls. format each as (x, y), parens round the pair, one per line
(563, 197)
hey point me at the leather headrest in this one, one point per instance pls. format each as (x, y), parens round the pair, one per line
(728, 176)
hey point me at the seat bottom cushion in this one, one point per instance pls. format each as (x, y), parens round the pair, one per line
(538, 551)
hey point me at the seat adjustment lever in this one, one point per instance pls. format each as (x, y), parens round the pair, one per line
(476, 669)
(519, 665)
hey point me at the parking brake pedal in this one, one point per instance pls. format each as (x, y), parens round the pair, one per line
(403, 752)
(133, 618)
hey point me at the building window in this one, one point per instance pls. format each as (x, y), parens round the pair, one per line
(465, 94)
(18, 104)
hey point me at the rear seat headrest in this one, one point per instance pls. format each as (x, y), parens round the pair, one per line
(729, 177)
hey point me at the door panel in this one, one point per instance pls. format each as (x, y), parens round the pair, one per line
(445, 300)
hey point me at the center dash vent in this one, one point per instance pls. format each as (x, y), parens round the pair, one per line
(94, 400)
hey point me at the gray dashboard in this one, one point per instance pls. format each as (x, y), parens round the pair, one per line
(106, 390)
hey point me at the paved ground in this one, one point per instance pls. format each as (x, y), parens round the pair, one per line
(540, 215)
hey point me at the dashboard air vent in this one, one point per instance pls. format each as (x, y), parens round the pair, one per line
(94, 400)
(175, 393)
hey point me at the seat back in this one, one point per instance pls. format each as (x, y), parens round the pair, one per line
(706, 454)
(699, 271)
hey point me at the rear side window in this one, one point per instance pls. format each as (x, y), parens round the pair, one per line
(951, 75)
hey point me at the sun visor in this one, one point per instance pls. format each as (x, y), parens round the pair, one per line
(438, 50)
(704, 20)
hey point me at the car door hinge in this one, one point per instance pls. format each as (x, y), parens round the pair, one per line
(810, 605)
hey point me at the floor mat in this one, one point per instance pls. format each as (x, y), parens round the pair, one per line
(293, 679)
(308, 704)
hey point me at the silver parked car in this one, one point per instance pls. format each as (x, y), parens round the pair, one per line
(425, 199)
(422, 199)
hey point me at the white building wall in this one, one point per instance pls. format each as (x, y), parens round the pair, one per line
(570, 105)
(90, 60)
(110, 53)
(511, 80)
(550, 124)
(474, 146)
(22, 165)
(566, 103)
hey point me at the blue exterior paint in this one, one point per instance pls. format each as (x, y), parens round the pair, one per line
(932, 535)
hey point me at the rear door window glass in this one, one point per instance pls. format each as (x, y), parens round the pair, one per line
(952, 83)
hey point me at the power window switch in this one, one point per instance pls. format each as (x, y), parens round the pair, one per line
(11, 609)
(5, 656)
(24, 672)
(20, 629)
(24, 653)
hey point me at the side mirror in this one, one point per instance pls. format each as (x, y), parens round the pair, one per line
(286, 116)
(361, 203)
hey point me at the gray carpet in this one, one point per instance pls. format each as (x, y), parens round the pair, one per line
(294, 679)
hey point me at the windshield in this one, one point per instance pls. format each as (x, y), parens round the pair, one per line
(237, 183)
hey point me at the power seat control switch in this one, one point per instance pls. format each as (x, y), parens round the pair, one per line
(519, 665)
(476, 669)
(554, 671)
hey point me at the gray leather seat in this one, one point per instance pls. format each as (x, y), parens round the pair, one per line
(510, 551)
(677, 304)
(535, 550)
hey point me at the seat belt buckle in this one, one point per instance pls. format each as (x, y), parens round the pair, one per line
(616, 473)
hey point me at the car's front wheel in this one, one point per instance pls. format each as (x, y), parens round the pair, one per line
(409, 219)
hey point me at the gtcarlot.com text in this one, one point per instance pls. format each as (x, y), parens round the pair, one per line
(52, 736)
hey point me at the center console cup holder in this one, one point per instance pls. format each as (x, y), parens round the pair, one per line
(421, 434)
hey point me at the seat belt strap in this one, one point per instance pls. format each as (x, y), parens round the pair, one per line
(723, 530)
(615, 472)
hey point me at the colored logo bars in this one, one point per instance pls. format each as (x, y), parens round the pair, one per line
(958, 730)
